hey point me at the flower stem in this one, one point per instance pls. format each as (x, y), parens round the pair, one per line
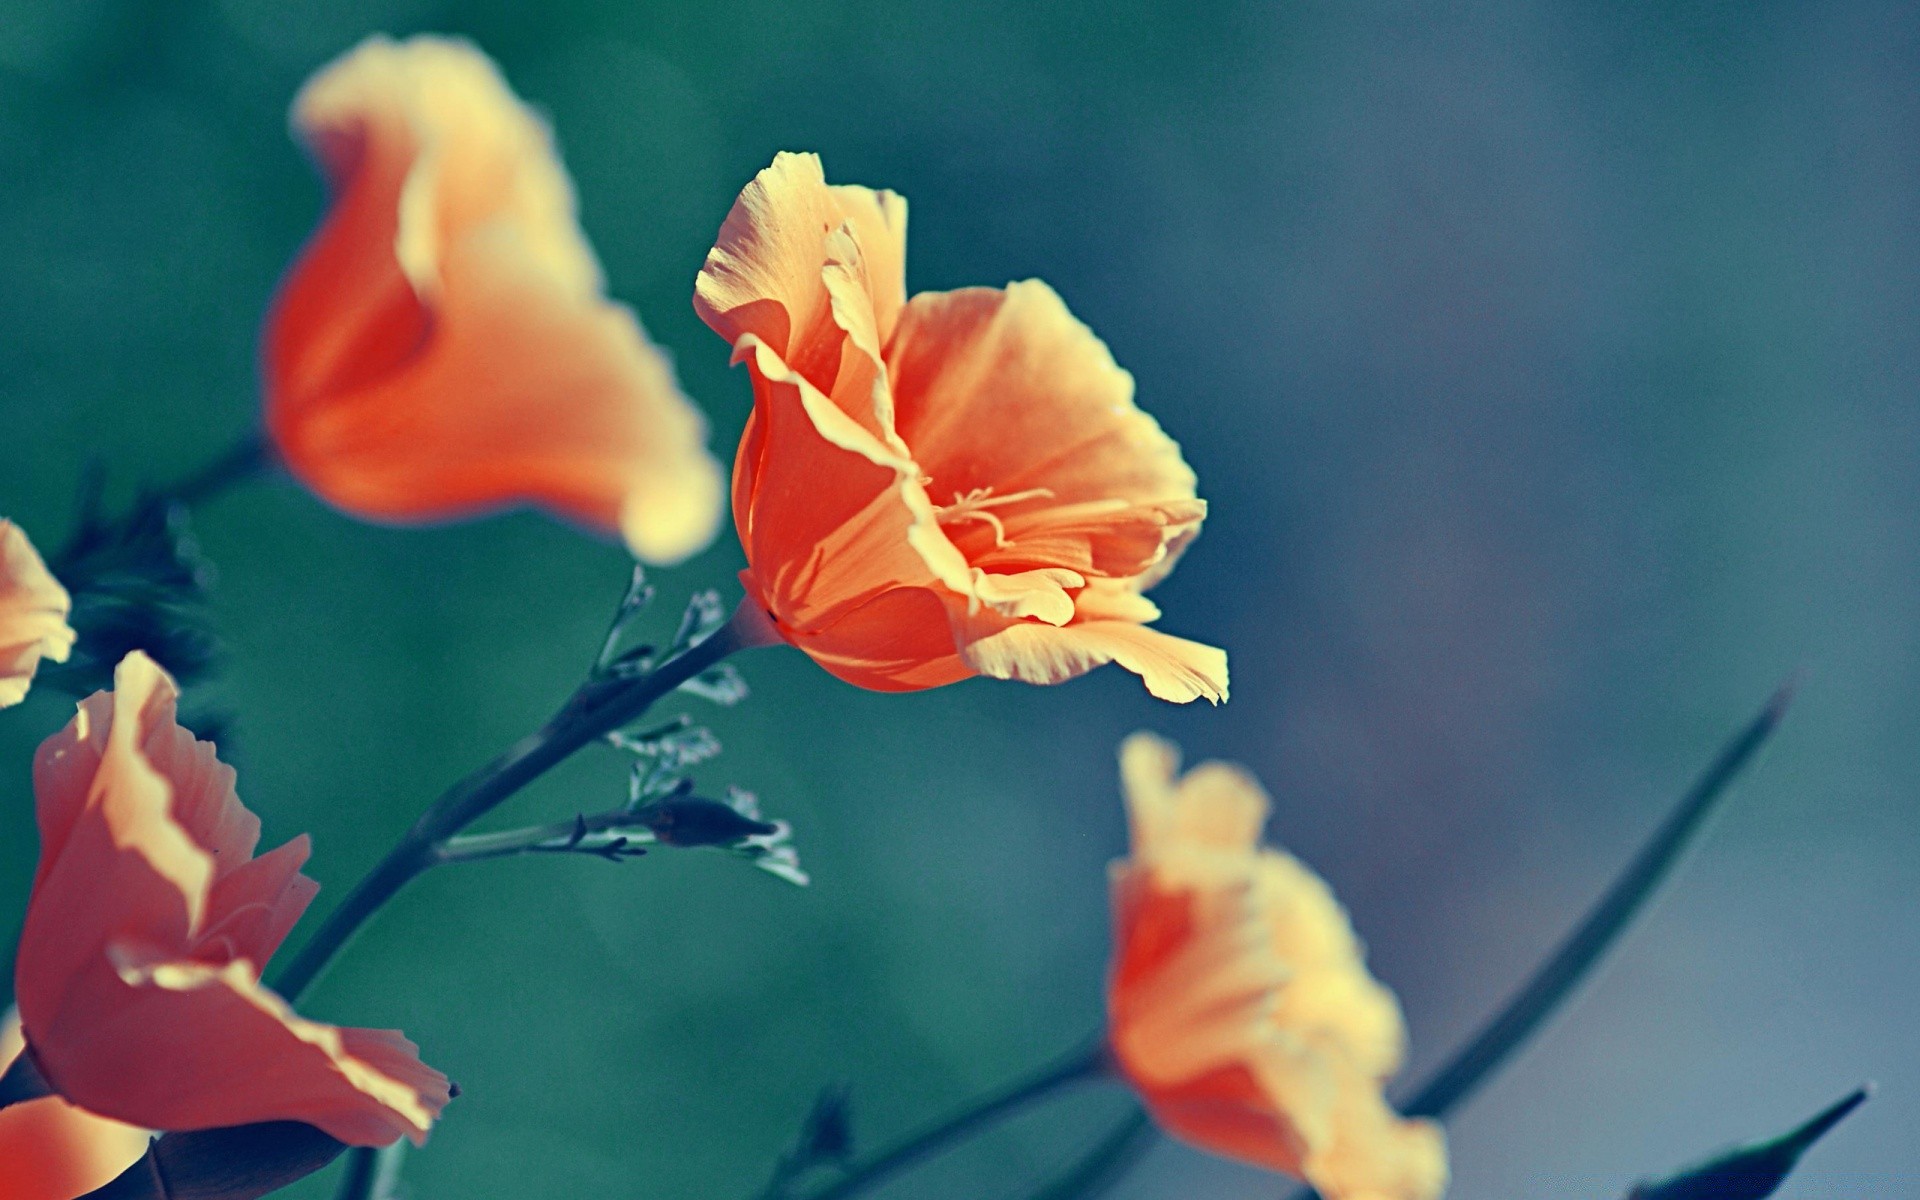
(557, 837)
(586, 716)
(1555, 980)
(1080, 1065)
(245, 459)
(1106, 1163)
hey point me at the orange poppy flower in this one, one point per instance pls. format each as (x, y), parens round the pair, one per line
(936, 487)
(442, 347)
(50, 1150)
(1240, 1006)
(33, 615)
(138, 971)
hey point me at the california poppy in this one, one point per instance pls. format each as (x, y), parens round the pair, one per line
(1239, 1004)
(50, 1150)
(443, 345)
(138, 972)
(33, 615)
(953, 484)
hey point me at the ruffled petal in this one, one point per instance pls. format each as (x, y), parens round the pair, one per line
(766, 274)
(1215, 809)
(898, 641)
(113, 862)
(1174, 669)
(1239, 1004)
(33, 615)
(185, 1045)
(51, 1150)
(1191, 987)
(834, 512)
(135, 974)
(1331, 996)
(1005, 389)
(442, 347)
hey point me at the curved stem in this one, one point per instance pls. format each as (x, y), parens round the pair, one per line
(585, 717)
(1557, 978)
(1106, 1163)
(242, 461)
(1082, 1064)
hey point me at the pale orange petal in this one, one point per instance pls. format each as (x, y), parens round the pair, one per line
(987, 431)
(766, 274)
(1239, 1004)
(184, 1045)
(1174, 669)
(442, 347)
(113, 864)
(1215, 809)
(1191, 987)
(33, 615)
(135, 974)
(1006, 389)
(51, 1150)
(1331, 995)
(829, 524)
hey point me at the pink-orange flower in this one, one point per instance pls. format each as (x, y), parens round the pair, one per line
(33, 615)
(138, 971)
(50, 1150)
(1240, 1006)
(443, 345)
(936, 487)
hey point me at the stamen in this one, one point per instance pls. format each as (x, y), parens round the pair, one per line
(974, 505)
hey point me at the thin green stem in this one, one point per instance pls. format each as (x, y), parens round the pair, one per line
(1557, 978)
(245, 459)
(356, 1179)
(1106, 1163)
(556, 837)
(372, 1173)
(587, 716)
(1077, 1067)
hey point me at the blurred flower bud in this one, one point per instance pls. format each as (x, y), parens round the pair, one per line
(693, 821)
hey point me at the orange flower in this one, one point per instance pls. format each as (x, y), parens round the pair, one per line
(50, 1150)
(33, 615)
(1240, 1007)
(443, 346)
(138, 972)
(951, 485)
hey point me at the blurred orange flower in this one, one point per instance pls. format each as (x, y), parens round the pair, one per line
(950, 485)
(50, 1150)
(1240, 1006)
(443, 345)
(33, 615)
(138, 971)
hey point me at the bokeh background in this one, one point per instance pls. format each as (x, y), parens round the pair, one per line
(1551, 369)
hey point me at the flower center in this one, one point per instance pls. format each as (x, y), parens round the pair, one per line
(975, 506)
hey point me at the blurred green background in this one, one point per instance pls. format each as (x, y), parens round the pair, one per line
(1551, 369)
